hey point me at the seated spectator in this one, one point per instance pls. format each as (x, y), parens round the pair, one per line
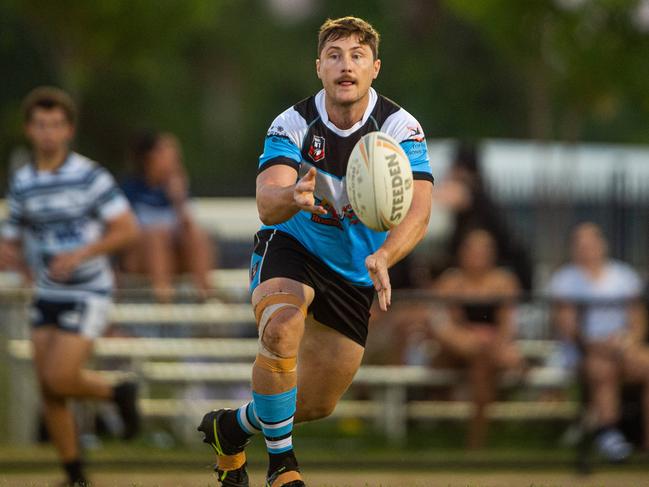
(599, 311)
(480, 328)
(171, 241)
(464, 193)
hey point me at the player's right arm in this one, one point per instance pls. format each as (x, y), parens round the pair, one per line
(280, 194)
(11, 256)
(279, 197)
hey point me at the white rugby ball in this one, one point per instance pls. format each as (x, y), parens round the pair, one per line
(379, 181)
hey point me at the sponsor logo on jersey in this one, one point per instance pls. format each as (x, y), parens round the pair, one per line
(317, 149)
(334, 218)
(276, 131)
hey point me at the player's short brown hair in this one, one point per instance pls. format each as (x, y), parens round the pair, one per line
(343, 27)
(49, 97)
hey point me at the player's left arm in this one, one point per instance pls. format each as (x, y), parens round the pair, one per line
(405, 236)
(400, 241)
(119, 233)
(120, 228)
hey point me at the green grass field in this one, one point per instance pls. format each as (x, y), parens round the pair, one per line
(344, 478)
(332, 465)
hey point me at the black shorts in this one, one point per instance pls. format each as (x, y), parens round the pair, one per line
(87, 317)
(337, 304)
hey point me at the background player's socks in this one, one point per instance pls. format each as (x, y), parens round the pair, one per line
(238, 426)
(74, 471)
(275, 413)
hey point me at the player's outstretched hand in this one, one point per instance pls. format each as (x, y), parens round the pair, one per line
(303, 194)
(377, 265)
(63, 265)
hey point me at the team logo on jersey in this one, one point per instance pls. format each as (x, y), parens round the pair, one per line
(317, 149)
(415, 134)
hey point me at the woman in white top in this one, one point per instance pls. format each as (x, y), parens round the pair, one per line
(599, 308)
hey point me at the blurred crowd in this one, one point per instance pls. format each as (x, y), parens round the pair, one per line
(473, 276)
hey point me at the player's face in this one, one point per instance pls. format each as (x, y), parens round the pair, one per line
(49, 130)
(347, 69)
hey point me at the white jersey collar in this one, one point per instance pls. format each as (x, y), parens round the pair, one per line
(322, 111)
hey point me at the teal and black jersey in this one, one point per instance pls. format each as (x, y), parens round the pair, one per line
(303, 137)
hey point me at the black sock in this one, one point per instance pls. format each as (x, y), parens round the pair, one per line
(231, 430)
(278, 460)
(74, 470)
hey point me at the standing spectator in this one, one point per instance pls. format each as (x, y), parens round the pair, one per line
(463, 191)
(171, 241)
(480, 330)
(66, 215)
(599, 309)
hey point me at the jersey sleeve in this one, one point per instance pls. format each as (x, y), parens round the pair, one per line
(12, 228)
(408, 132)
(283, 142)
(108, 199)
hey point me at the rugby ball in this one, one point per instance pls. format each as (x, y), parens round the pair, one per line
(379, 181)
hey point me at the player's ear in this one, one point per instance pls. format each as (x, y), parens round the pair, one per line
(317, 67)
(377, 68)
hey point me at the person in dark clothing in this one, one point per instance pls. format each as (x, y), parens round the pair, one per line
(479, 210)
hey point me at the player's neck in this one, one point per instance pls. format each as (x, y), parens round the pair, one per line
(50, 161)
(345, 116)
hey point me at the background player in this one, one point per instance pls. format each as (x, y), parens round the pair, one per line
(315, 266)
(66, 215)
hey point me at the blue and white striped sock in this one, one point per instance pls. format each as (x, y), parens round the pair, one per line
(275, 413)
(248, 420)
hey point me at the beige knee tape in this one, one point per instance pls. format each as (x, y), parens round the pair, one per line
(267, 308)
(278, 365)
(278, 298)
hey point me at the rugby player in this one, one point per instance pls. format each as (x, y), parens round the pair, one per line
(66, 215)
(315, 266)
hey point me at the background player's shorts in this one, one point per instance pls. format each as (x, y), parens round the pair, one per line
(337, 304)
(87, 317)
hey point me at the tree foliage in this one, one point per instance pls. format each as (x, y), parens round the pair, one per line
(216, 72)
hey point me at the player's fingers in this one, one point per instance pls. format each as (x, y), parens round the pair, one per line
(379, 290)
(319, 210)
(384, 280)
(370, 263)
(308, 179)
(305, 186)
(310, 175)
(383, 304)
(305, 199)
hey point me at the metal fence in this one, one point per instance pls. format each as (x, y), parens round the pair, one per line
(202, 354)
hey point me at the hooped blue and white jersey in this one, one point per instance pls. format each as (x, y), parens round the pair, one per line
(303, 137)
(58, 211)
